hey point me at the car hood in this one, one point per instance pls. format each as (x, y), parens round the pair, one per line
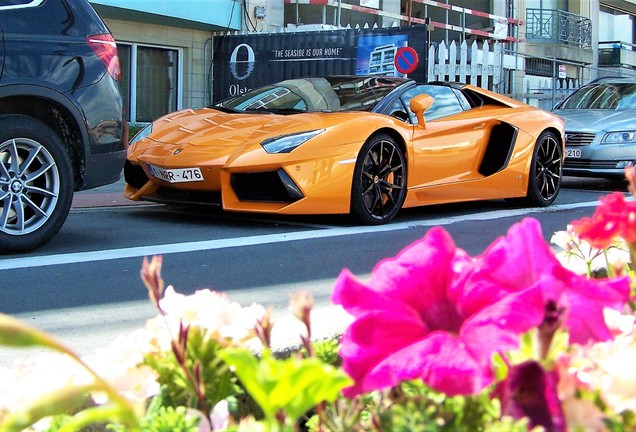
(211, 127)
(597, 120)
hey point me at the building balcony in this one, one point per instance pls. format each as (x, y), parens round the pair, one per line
(558, 27)
(616, 54)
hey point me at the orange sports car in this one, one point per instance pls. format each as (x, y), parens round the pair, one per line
(360, 145)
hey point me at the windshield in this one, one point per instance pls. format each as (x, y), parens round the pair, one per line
(617, 96)
(335, 93)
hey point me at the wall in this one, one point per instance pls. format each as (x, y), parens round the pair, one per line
(192, 43)
(198, 14)
(274, 16)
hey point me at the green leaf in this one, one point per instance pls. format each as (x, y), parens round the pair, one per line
(500, 366)
(293, 385)
(103, 413)
(60, 401)
(14, 333)
(216, 376)
(247, 369)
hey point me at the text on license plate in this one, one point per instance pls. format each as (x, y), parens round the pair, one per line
(572, 153)
(176, 175)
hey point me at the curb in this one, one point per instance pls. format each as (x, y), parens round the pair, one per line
(102, 199)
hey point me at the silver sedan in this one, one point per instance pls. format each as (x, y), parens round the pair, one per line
(600, 128)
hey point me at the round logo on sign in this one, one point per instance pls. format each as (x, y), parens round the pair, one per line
(406, 60)
(247, 63)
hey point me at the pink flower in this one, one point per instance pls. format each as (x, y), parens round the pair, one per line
(417, 318)
(523, 259)
(434, 313)
(614, 216)
(529, 391)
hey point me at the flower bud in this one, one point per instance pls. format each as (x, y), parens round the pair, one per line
(151, 276)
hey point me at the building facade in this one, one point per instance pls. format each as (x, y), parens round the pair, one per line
(167, 48)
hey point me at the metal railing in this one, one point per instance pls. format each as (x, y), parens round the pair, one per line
(616, 53)
(559, 27)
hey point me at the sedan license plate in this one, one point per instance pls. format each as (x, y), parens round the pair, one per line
(572, 153)
(176, 175)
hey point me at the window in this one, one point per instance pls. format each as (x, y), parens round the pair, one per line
(151, 81)
(616, 26)
(612, 96)
(446, 102)
(14, 4)
(547, 4)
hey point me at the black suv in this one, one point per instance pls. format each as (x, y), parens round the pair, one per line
(62, 125)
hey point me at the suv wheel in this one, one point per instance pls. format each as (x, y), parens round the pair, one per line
(36, 183)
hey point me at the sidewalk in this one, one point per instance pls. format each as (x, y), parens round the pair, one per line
(108, 195)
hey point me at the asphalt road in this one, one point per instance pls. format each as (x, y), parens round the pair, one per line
(84, 286)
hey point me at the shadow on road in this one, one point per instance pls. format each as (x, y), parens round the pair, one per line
(595, 184)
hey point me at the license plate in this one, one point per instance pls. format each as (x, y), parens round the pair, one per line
(176, 175)
(572, 153)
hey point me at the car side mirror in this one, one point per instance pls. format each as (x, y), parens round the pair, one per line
(419, 104)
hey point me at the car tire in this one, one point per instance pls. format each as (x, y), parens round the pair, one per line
(379, 181)
(546, 171)
(36, 192)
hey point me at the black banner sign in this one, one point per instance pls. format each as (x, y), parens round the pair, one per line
(245, 62)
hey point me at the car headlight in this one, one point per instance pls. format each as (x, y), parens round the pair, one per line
(624, 137)
(286, 143)
(147, 130)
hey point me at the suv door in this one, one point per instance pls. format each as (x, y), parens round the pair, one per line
(1, 51)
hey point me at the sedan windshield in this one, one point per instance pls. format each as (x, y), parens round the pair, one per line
(334, 93)
(616, 96)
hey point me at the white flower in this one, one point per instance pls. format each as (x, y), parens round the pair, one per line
(615, 376)
(220, 416)
(606, 367)
(120, 366)
(212, 311)
(580, 257)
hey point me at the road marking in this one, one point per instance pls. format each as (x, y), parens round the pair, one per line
(89, 328)
(134, 252)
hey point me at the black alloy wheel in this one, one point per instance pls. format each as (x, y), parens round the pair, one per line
(379, 181)
(546, 170)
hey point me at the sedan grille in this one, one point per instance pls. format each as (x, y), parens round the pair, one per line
(589, 164)
(579, 138)
(270, 186)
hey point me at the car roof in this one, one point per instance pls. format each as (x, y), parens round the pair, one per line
(615, 79)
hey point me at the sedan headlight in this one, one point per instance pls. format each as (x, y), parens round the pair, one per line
(624, 137)
(286, 143)
(147, 130)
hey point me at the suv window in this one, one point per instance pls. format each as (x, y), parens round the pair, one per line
(24, 3)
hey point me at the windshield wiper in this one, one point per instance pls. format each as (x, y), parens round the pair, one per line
(287, 110)
(258, 110)
(276, 110)
(224, 109)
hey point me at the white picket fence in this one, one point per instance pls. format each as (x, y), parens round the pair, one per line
(484, 64)
(480, 64)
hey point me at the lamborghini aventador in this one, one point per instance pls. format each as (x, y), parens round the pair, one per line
(361, 145)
